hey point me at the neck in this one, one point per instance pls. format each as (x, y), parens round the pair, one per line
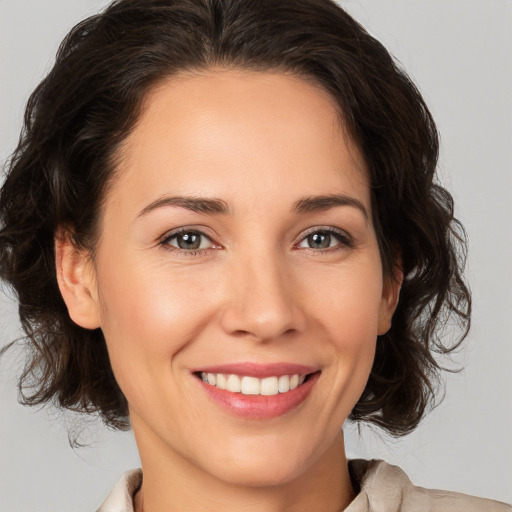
(172, 484)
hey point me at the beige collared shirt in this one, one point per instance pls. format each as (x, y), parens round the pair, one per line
(383, 488)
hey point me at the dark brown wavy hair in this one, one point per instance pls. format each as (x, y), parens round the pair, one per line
(83, 110)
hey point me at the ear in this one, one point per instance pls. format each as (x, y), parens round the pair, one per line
(76, 277)
(390, 295)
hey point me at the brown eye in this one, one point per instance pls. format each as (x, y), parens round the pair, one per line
(188, 241)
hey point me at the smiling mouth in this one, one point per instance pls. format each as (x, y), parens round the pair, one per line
(255, 392)
(247, 385)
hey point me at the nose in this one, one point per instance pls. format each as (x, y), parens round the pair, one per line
(262, 300)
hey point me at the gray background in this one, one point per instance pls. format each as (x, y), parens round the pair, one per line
(459, 52)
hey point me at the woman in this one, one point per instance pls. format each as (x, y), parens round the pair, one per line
(223, 230)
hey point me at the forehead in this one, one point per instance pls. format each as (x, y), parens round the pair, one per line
(216, 131)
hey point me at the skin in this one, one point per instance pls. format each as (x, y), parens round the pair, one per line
(255, 290)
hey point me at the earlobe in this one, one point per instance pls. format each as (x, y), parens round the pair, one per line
(390, 297)
(77, 281)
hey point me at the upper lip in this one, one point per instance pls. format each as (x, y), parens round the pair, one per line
(258, 370)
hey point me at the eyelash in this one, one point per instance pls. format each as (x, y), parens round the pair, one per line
(165, 242)
(345, 241)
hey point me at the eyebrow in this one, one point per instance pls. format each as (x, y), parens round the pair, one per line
(195, 204)
(322, 203)
(220, 207)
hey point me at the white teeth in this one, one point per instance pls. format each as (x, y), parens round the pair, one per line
(253, 386)
(250, 386)
(269, 386)
(221, 381)
(233, 384)
(284, 384)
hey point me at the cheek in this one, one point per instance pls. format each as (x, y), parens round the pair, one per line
(348, 301)
(349, 314)
(149, 316)
(358, 335)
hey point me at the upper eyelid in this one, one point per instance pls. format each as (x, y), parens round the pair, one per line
(178, 231)
(328, 229)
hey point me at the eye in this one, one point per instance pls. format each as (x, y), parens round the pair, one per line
(324, 239)
(188, 240)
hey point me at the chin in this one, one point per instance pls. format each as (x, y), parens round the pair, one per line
(264, 473)
(265, 464)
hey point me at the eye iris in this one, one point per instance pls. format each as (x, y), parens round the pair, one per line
(320, 240)
(189, 241)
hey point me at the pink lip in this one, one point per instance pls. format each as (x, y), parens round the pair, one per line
(258, 370)
(259, 406)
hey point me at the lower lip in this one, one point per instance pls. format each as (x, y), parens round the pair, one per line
(260, 406)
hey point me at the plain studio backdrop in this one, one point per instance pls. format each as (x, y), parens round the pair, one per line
(459, 52)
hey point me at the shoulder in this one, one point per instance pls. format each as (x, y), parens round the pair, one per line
(386, 488)
(120, 498)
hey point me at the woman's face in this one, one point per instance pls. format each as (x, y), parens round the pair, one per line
(237, 241)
